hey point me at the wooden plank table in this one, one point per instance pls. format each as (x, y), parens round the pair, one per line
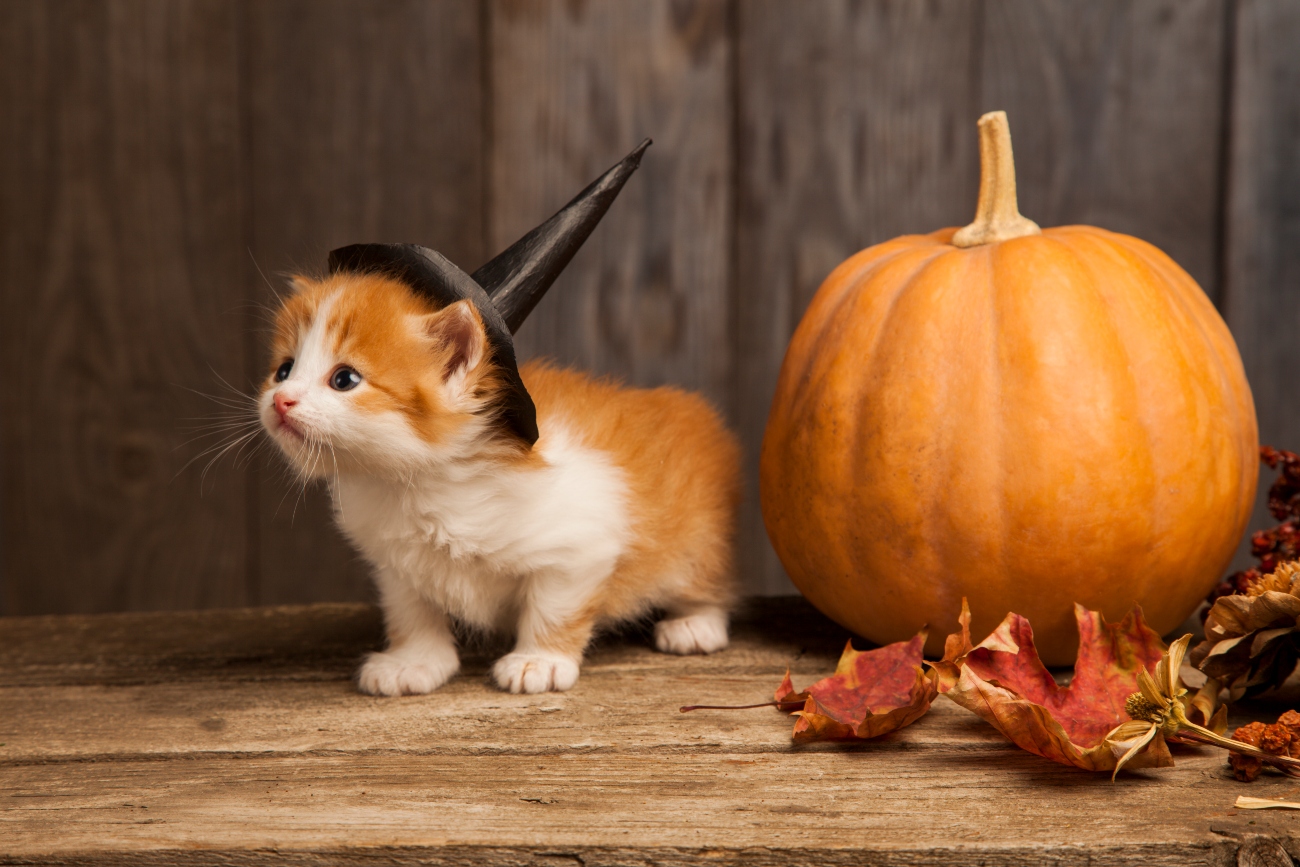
(236, 737)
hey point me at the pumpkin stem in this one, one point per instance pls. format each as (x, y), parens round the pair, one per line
(997, 216)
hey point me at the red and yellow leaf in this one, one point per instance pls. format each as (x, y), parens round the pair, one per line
(1004, 682)
(871, 693)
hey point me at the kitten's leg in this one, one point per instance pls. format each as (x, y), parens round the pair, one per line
(421, 654)
(553, 631)
(692, 629)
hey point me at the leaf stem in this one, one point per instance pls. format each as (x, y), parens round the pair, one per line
(781, 705)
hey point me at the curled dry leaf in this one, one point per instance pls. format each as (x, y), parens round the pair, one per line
(871, 693)
(1252, 639)
(1003, 681)
(1245, 802)
(1203, 706)
(946, 672)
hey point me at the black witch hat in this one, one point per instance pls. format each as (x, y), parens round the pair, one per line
(506, 289)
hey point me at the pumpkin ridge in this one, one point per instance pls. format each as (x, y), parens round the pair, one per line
(979, 266)
(1122, 338)
(899, 290)
(1179, 295)
(817, 378)
(1072, 439)
(831, 319)
(796, 394)
(1179, 279)
(937, 505)
(1195, 344)
(1229, 368)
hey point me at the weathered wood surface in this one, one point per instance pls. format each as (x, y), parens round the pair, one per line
(365, 124)
(158, 157)
(121, 234)
(1262, 292)
(574, 87)
(236, 737)
(1117, 113)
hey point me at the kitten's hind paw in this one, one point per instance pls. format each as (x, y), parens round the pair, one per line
(396, 674)
(535, 671)
(703, 632)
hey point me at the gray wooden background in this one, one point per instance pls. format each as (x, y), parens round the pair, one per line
(159, 157)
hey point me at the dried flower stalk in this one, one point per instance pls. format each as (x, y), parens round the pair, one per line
(1159, 711)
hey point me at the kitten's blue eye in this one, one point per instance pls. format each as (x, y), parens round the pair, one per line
(282, 372)
(344, 378)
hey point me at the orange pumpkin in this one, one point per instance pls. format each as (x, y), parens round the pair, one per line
(1026, 418)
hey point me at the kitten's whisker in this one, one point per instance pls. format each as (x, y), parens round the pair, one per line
(238, 392)
(243, 398)
(288, 489)
(207, 451)
(221, 424)
(238, 442)
(220, 448)
(224, 430)
(337, 498)
(230, 409)
(264, 279)
(234, 415)
(313, 454)
(243, 459)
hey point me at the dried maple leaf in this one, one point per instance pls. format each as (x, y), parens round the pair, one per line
(1003, 681)
(947, 671)
(871, 693)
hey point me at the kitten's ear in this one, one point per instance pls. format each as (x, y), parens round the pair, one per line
(457, 328)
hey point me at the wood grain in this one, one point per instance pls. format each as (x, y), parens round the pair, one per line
(122, 290)
(1261, 302)
(1116, 111)
(242, 741)
(365, 125)
(856, 125)
(792, 808)
(575, 86)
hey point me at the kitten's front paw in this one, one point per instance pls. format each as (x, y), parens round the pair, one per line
(704, 632)
(397, 674)
(535, 671)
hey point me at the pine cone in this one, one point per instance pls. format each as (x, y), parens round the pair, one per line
(1252, 628)
(1252, 639)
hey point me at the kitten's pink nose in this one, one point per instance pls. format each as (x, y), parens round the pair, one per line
(283, 404)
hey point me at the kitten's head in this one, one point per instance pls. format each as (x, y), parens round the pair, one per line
(367, 375)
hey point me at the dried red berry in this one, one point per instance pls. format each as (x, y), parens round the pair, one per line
(1247, 768)
(1275, 739)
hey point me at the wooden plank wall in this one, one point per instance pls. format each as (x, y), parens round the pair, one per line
(163, 162)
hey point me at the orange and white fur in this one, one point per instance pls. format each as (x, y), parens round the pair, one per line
(625, 505)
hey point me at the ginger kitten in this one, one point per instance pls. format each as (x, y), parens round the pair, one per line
(625, 504)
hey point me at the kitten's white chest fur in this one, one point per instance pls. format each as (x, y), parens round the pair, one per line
(481, 541)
